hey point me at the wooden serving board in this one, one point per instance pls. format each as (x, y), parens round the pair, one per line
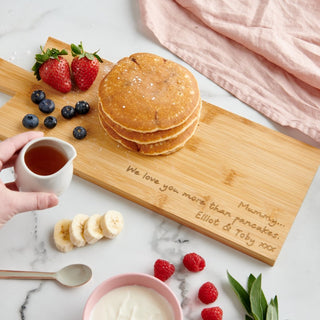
(235, 181)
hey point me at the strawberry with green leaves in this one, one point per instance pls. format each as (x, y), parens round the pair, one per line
(53, 69)
(84, 66)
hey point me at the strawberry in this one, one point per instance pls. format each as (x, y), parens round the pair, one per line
(53, 69)
(208, 293)
(163, 269)
(84, 66)
(214, 313)
(193, 262)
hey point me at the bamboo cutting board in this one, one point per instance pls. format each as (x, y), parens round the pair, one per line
(235, 181)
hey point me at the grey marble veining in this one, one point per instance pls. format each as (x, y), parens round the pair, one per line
(30, 295)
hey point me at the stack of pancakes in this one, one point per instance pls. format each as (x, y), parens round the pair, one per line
(149, 104)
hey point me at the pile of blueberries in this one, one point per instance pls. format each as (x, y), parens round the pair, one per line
(47, 106)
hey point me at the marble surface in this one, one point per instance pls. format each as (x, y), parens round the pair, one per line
(26, 242)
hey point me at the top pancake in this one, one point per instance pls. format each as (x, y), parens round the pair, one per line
(147, 93)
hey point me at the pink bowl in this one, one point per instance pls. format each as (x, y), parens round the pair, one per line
(133, 279)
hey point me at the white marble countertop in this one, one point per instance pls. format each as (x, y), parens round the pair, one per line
(26, 242)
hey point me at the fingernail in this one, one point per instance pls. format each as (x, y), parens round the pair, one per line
(53, 200)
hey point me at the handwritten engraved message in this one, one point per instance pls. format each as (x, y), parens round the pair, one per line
(249, 225)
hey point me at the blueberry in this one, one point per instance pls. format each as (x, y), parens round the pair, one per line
(37, 96)
(79, 132)
(46, 106)
(82, 107)
(50, 122)
(68, 112)
(30, 121)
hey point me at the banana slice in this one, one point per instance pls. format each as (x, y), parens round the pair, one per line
(111, 224)
(61, 235)
(92, 231)
(76, 230)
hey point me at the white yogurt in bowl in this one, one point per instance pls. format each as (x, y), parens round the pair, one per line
(133, 303)
(133, 296)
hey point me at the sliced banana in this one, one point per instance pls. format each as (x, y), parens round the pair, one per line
(61, 235)
(92, 230)
(76, 230)
(111, 224)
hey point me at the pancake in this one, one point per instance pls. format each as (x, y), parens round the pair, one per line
(147, 93)
(153, 149)
(150, 137)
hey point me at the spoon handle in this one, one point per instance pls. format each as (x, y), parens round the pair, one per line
(13, 274)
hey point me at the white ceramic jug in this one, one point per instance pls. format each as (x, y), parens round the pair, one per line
(56, 182)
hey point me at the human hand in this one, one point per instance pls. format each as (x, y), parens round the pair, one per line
(11, 200)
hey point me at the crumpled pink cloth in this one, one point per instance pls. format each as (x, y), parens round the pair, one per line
(266, 53)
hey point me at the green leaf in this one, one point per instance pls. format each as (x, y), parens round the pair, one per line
(35, 70)
(89, 56)
(97, 56)
(251, 279)
(272, 311)
(276, 304)
(63, 52)
(76, 50)
(257, 300)
(240, 292)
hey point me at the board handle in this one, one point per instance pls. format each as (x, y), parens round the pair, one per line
(13, 78)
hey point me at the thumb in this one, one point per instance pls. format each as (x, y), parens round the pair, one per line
(28, 201)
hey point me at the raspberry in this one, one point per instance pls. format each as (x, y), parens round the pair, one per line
(163, 269)
(193, 262)
(208, 293)
(214, 313)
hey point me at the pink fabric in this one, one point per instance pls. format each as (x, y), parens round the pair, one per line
(266, 53)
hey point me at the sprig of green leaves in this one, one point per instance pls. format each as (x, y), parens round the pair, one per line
(254, 300)
(77, 50)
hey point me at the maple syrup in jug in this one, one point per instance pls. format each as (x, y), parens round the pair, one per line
(45, 160)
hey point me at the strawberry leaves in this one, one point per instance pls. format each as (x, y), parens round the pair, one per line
(253, 299)
(78, 51)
